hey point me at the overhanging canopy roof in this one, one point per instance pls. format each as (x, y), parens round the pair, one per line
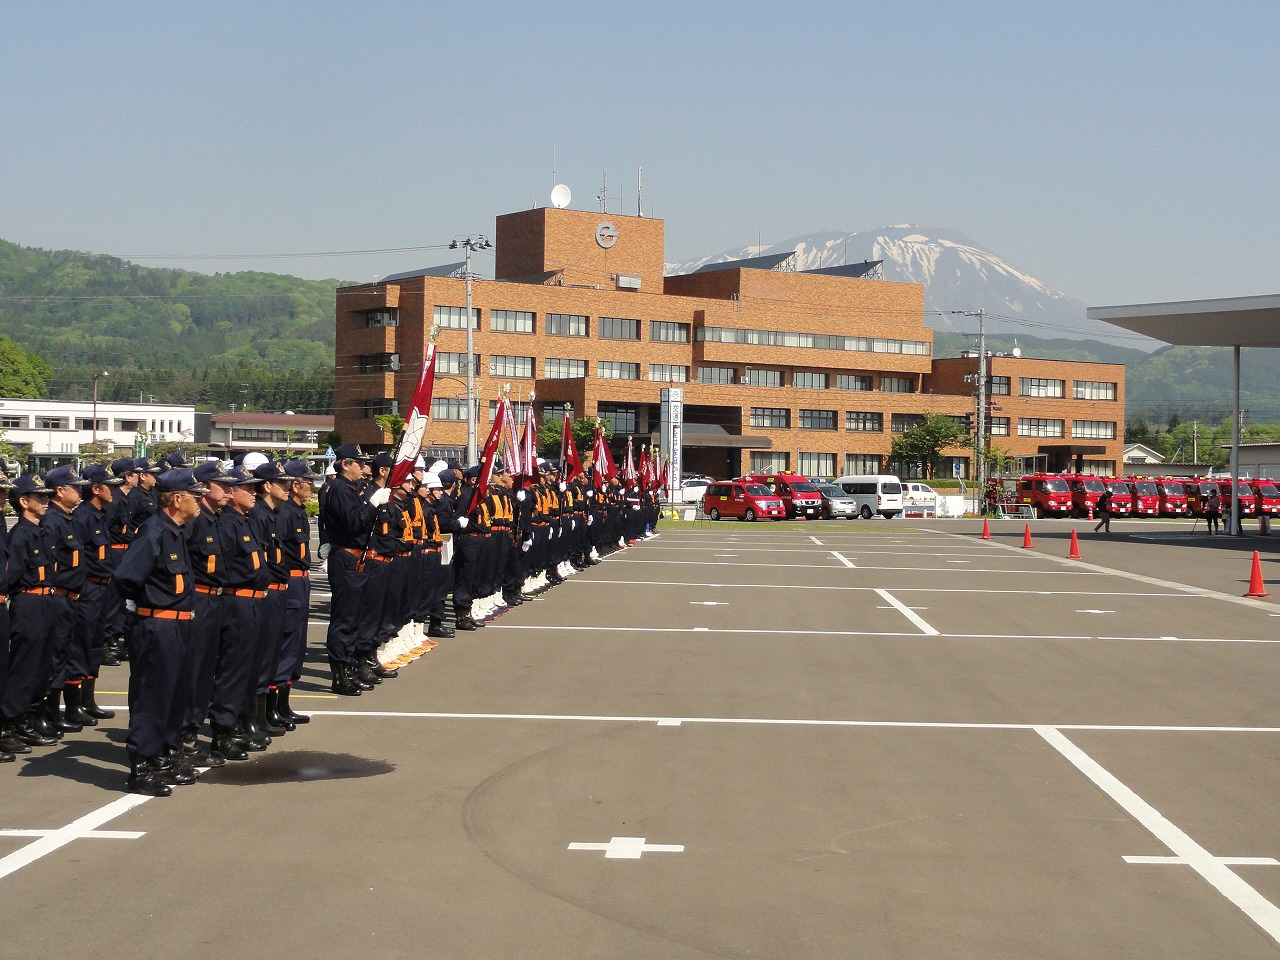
(1226, 322)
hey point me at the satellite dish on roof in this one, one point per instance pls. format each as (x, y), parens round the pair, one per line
(560, 196)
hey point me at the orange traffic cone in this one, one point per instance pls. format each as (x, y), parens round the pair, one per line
(1256, 587)
(1074, 553)
(986, 530)
(1026, 538)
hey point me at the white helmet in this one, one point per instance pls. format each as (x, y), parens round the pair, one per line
(253, 460)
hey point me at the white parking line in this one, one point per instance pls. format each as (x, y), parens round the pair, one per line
(1212, 869)
(907, 612)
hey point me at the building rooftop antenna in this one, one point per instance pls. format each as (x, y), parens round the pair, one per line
(603, 195)
(639, 189)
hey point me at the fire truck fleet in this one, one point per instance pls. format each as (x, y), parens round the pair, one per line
(1077, 495)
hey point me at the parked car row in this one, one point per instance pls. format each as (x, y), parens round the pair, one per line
(782, 496)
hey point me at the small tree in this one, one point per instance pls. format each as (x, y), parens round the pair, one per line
(551, 429)
(391, 424)
(922, 444)
(99, 452)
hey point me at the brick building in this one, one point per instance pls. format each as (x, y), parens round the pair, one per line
(813, 371)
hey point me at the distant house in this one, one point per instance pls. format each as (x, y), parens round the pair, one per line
(1136, 454)
(297, 435)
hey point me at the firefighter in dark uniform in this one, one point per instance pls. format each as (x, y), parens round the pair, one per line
(385, 545)
(209, 573)
(272, 492)
(348, 512)
(66, 583)
(89, 611)
(155, 578)
(444, 509)
(471, 544)
(118, 526)
(10, 742)
(297, 555)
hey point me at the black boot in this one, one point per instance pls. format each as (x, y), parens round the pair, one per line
(286, 711)
(73, 696)
(225, 745)
(52, 708)
(9, 739)
(182, 770)
(440, 630)
(195, 752)
(379, 671)
(29, 732)
(38, 720)
(274, 717)
(261, 718)
(110, 658)
(344, 684)
(255, 740)
(89, 704)
(143, 779)
(466, 623)
(364, 672)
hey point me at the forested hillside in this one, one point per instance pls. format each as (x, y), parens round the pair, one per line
(257, 338)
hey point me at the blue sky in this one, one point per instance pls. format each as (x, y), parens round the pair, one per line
(1120, 151)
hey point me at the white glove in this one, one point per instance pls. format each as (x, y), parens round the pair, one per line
(520, 496)
(524, 547)
(590, 492)
(324, 551)
(463, 522)
(590, 519)
(552, 533)
(636, 509)
(324, 567)
(573, 525)
(380, 496)
(131, 606)
(563, 486)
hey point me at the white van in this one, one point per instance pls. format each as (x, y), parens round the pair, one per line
(918, 499)
(875, 493)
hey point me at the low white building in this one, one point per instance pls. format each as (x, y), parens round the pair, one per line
(292, 434)
(51, 432)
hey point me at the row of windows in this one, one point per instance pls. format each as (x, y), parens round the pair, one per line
(815, 464)
(871, 421)
(1048, 387)
(12, 422)
(818, 341)
(556, 324)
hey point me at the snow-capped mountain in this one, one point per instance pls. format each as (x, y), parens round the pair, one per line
(958, 275)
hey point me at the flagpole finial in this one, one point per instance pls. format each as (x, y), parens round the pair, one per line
(531, 395)
(433, 332)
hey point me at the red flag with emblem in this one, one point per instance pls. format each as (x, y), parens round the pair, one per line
(570, 460)
(629, 473)
(528, 444)
(490, 453)
(415, 427)
(602, 467)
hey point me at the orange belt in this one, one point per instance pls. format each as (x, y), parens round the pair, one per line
(51, 591)
(119, 546)
(99, 580)
(164, 614)
(299, 573)
(378, 557)
(230, 592)
(353, 551)
(277, 586)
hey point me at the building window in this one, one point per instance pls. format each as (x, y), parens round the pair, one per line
(136, 426)
(817, 464)
(998, 427)
(617, 328)
(864, 421)
(771, 417)
(382, 317)
(1093, 390)
(817, 341)
(853, 381)
(449, 408)
(1039, 387)
(620, 419)
(51, 423)
(379, 362)
(715, 375)
(263, 436)
(809, 381)
(998, 386)
(511, 321)
(1094, 429)
(902, 422)
(668, 373)
(500, 366)
(664, 331)
(86, 423)
(20, 423)
(456, 363)
(897, 385)
(556, 369)
(1101, 468)
(861, 464)
(617, 370)
(454, 318)
(1039, 427)
(518, 410)
(380, 406)
(768, 461)
(566, 325)
(763, 378)
(817, 419)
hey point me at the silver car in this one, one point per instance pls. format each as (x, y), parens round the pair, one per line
(836, 503)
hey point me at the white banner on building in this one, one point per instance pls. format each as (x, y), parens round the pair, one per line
(671, 423)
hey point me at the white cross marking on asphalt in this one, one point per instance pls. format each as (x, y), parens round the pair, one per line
(709, 603)
(628, 848)
(1229, 861)
(85, 827)
(1095, 611)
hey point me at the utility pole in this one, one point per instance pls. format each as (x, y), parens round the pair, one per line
(104, 373)
(980, 441)
(470, 243)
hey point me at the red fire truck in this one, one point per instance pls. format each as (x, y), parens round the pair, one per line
(1046, 493)
(1173, 498)
(1146, 496)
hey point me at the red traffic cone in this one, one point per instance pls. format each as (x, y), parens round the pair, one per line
(1256, 587)
(986, 530)
(1074, 553)
(1026, 538)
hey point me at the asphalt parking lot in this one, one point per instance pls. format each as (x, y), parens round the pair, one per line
(827, 740)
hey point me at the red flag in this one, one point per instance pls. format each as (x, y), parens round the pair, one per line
(602, 460)
(415, 427)
(528, 444)
(490, 453)
(646, 468)
(570, 461)
(629, 473)
(664, 476)
(512, 454)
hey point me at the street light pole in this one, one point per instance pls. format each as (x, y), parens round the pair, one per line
(470, 243)
(104, 373)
